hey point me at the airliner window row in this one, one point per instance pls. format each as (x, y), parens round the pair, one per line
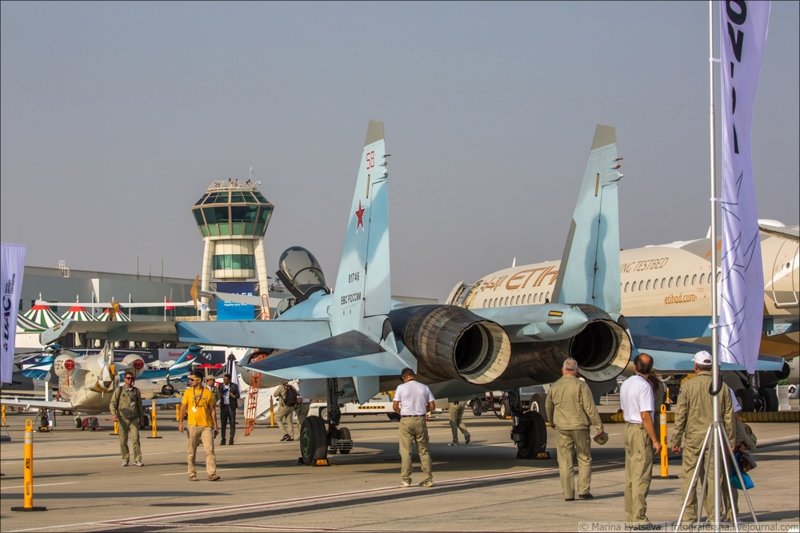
(519, 299)
(634, 286)
(667, 283)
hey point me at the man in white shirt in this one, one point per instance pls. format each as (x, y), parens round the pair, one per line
(636, 400)
(413, 401)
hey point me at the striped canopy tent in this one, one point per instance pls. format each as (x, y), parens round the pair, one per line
(107, 315)
(26, 325)
(78, 312)
(42, 316)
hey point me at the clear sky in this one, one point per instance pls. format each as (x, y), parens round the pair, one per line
(116, 117)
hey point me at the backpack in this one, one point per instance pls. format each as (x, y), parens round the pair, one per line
(290, 395)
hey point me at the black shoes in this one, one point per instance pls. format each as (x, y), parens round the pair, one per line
(222, 442)
(230, 442)
(286, 437)
(466, 438)
(587, 496)
(569, 499)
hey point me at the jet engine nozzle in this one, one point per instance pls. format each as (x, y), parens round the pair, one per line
(603, 348)
(452, 342)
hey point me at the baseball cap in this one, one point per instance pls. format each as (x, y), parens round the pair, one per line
(702, 358)
(601, 438)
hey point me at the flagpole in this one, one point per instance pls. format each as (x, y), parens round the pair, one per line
(714, 259)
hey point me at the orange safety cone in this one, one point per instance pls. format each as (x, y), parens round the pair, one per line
(27, 483)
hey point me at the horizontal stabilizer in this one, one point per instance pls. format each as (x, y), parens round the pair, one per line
(678, 356)
(113, 331)
(266, 334)
(350, 354)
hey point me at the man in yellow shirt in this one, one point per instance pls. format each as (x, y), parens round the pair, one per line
(197, 406)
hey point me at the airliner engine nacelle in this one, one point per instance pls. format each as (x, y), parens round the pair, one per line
(63, 364)
(451, 342)
(134, 363)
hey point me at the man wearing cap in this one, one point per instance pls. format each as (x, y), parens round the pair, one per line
(571, 410)
(413, 401)
(693, 416)
(636, 401)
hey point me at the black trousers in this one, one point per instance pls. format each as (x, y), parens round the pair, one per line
(226, 414)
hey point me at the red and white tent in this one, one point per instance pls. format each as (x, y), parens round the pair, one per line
(78, 312)
(42, 316)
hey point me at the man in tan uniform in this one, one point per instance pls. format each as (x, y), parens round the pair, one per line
(693, 417)
(127, 410)
(571, 410)
(285, 411)
(456, 410)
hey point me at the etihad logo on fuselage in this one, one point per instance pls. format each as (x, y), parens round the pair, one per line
(529, 277)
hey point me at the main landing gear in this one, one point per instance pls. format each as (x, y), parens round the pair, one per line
(528, 432)
(315, 441)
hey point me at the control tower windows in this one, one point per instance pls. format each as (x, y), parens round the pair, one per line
(233, 261)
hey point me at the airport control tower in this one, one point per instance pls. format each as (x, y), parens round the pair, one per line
(233, 217)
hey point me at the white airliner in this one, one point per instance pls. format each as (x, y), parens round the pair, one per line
(666, 293)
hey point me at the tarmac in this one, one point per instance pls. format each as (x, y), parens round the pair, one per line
(78, 477)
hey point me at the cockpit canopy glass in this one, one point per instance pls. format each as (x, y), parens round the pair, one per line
(300, 272)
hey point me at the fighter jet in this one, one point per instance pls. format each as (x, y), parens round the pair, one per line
(351, 341)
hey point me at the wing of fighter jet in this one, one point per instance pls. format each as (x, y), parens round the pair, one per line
(356, 340)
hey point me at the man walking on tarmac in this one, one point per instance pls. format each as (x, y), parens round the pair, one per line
(126, 408)
(571, 411)
(197, 406)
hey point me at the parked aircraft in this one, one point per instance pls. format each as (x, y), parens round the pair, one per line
(666, 296)
(352, 341)
(87, 381)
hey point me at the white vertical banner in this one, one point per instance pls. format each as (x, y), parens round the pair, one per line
(743, 35)
(13, 267)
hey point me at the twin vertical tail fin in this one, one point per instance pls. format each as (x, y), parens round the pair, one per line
(363, 287)
(589, 270)
(363, 291)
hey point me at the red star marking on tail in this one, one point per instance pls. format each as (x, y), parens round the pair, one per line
(360, 216)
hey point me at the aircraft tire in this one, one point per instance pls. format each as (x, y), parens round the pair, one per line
(167, 390)
(323, 413)
(344, 433)
(78, 423)
(537, 404)
(746, 399)
(313, 440)
(533, 433)
(769, 397)
(505, 409)
(475, 405)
